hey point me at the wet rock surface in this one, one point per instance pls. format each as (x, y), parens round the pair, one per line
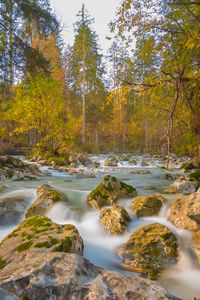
(114, 219)
(47, 197)
(152, 248)
(185, 212)
(12, 209)
(148, 205)
(39, 234)
(63, 276)
(109, 191)
(185, 185)
(14, 169)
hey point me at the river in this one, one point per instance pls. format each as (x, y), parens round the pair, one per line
(182, 280)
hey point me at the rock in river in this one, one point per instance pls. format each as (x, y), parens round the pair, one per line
(109, 190)
(114, 219)
(185, 212)
(147, 205)
(62, 276)
(47, 197)
(39, 234)
(185, 185)
(151, 248)
(111, 162)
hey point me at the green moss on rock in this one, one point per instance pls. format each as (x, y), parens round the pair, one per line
(147, 205)
(65, 245)
(24, 246)
(39, 233)
(114, 219)
(151, 248)
(109, 190)
(2, 263)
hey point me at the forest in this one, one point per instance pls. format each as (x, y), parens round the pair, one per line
(142, 97)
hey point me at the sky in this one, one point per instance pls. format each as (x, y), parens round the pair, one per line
(103, 11)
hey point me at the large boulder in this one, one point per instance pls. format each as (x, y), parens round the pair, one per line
(114, 219)
(39, 234)
(62, 276)
(147, 205)
(185, 185)
(151, 248)
(108, 191)
(185, 213)
(46, 199)
(12, 209)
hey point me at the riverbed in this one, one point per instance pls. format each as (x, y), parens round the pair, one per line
(182, 280)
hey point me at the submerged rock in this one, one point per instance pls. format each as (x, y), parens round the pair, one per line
(114, 219)
(108, 191)
(39, 234)
(140, 172)
(184, 185)
(152, 248)
(47, 197)
(185, 212)
(62, 276)
(147, 205)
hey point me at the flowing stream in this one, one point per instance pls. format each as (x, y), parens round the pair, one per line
(182, 280)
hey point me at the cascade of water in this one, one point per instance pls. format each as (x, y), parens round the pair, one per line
(99, 247)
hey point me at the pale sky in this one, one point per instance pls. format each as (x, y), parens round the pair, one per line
(103, 11)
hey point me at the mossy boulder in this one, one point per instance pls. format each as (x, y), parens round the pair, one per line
(39, 234)
(46, 198)
(151, 248)
(109, 190)
(114, 219)
(147, 205)
(185, 212)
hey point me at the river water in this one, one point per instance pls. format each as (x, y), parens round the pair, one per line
(182, 280)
